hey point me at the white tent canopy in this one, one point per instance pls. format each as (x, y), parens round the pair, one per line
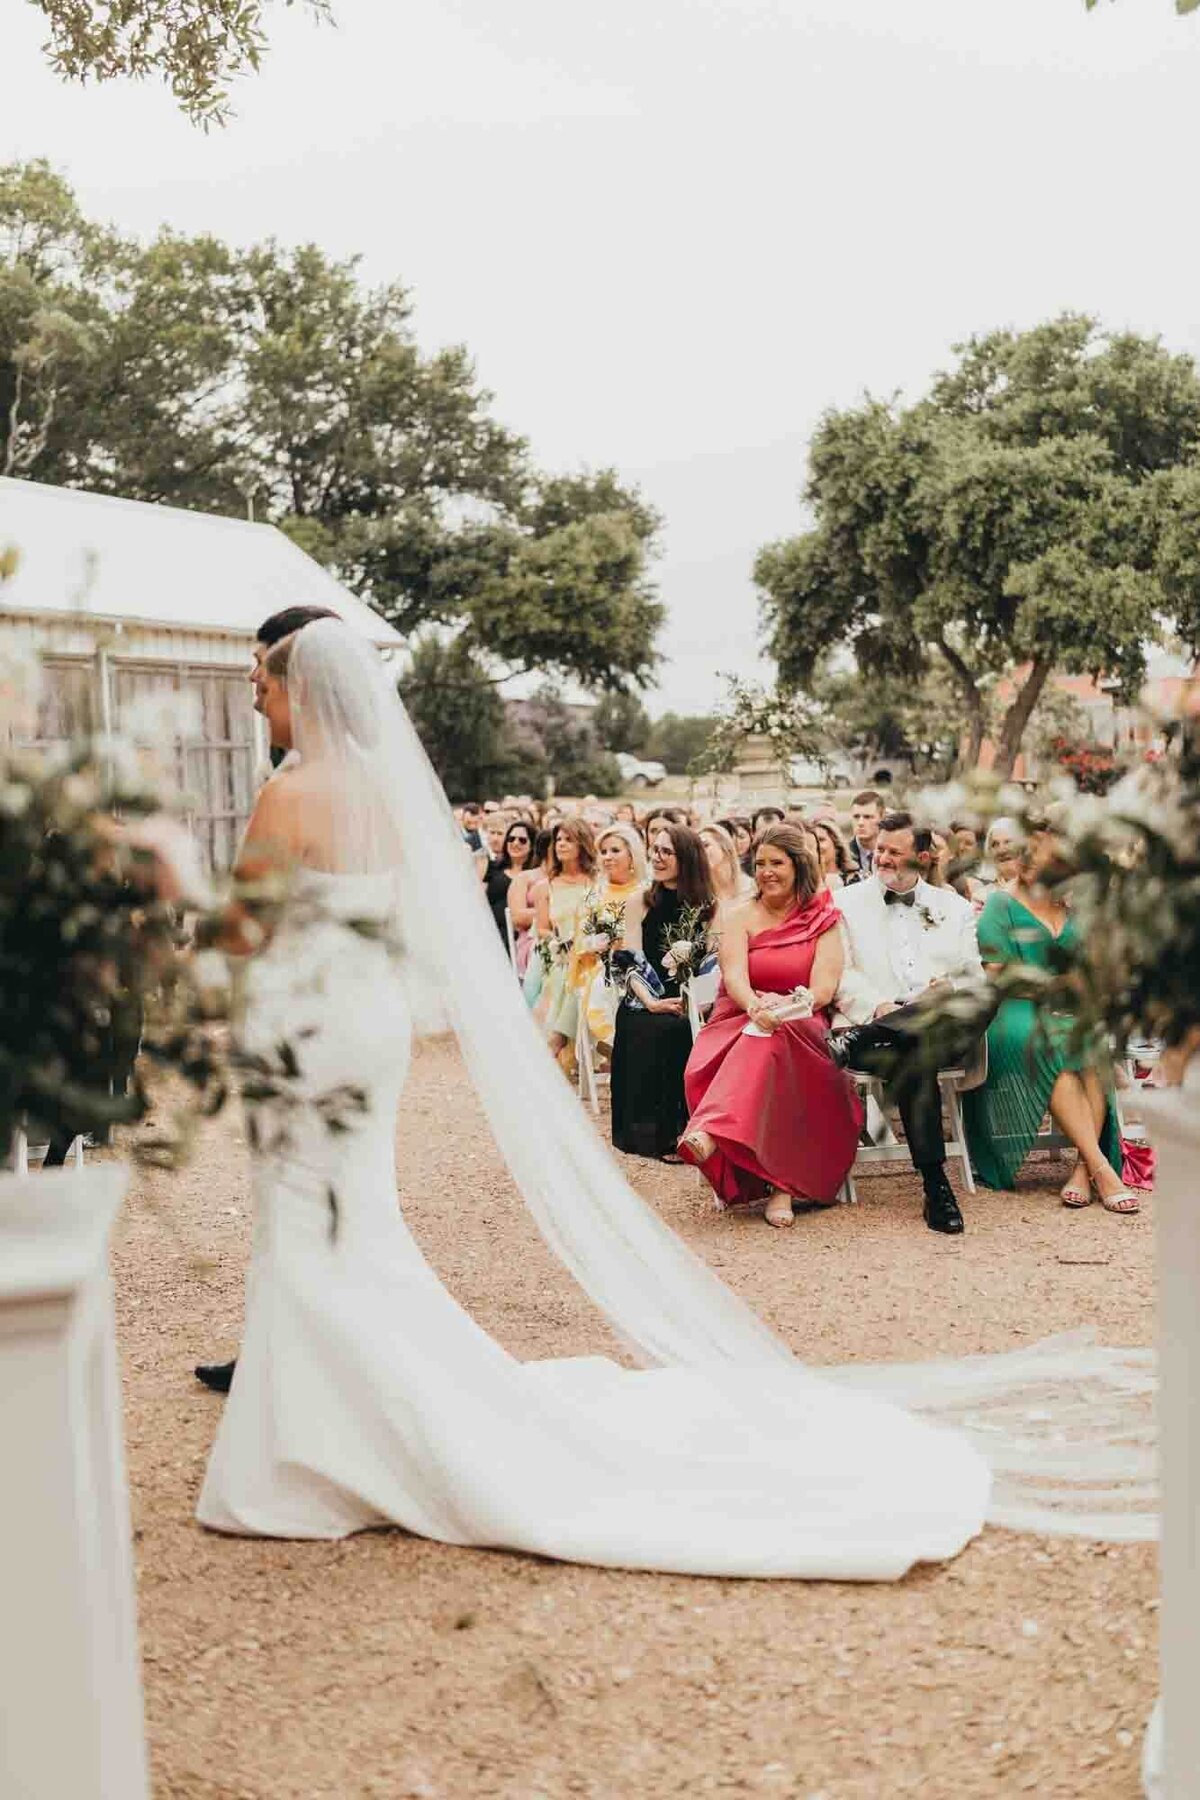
(142, 618)
(125, 560)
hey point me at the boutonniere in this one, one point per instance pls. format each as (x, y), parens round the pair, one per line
(929, 919)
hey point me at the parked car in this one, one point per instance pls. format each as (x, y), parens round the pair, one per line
(833, 771)
(638, 774)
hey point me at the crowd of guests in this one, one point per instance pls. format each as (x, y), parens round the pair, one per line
(831, 938)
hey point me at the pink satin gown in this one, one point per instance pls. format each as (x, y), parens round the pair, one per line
(782, 1114)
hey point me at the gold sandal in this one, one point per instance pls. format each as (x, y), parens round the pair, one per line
(782, 1220)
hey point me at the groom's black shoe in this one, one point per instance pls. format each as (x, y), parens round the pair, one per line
(941, 1208)
(217, 1376)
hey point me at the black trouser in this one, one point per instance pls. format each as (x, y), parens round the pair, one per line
(891, 1048)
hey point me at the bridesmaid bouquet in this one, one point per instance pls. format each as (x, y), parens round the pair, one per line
(601, 928)
(689, 949)
(551, 950)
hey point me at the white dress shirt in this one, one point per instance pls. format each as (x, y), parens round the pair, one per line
(895, 952)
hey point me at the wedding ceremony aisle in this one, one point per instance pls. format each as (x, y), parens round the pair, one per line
(385, 1666)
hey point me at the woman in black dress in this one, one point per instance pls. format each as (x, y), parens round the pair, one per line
(653, 1038)
(515, 848)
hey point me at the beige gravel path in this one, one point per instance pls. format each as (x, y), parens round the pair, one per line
(389, 1667)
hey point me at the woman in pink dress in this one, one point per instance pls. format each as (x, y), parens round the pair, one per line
(770, 1112)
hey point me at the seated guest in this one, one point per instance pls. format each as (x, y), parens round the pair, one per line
(516, 855)
(904, 938)
(522, 909)
(772, 1116)
(469, 818)
(866, 811)
(663, 815)
(730, 884)
(764, 816)
(490, 863)
(740, 831)
(833, 854)
(623, 874)
(653, 1038)
(1001, 852)
(1035, 1063)
(626, 813)
(962, 872)
(571, 869)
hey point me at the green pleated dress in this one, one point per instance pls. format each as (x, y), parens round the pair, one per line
(1028, 1050)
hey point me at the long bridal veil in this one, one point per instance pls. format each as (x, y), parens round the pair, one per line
(1066, 1425)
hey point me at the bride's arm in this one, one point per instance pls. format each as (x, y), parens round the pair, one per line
(273, 845)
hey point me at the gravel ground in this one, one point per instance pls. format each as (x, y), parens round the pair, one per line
(386, 1666)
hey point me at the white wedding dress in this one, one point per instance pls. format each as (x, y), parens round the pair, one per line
(365, 1395)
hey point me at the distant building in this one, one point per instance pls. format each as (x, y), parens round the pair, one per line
(1129, 730)
(125, 601)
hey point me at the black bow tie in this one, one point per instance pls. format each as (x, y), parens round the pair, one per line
(891, 898)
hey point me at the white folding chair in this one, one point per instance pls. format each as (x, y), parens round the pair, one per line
(510, 937)
(19, 1153)
(591, 1078)
(879, 1143)
(701, 993)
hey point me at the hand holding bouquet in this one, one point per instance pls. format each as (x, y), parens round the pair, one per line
(601, 928)
(689, 947)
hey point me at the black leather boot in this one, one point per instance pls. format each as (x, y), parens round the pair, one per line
(217, 1376)
(941, 1208)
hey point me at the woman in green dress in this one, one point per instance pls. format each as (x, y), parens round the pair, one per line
(1035, 1061)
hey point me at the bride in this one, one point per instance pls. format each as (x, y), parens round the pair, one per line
(365, 1395)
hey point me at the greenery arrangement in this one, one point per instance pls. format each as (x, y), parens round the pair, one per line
(82, 945)
(791, 724)
(1128, 863)
(94, 967)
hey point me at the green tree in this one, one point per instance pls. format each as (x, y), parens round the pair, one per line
(1027, 512)
(195, 46)
(564, 738)
(622, 723)
(1181, 6)
(460, 719)
(679, 739)
(188, 372)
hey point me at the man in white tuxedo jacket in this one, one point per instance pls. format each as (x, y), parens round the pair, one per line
(903, 939)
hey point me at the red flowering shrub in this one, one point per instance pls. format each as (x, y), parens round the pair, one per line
(1093, 767)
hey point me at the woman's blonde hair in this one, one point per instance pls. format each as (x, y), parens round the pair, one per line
(633, 843)
(729, 855)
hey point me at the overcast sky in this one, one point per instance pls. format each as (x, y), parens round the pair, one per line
(672, 232)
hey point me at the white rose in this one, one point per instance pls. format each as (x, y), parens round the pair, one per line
(210, 972)
(15, 799)
(681, 952)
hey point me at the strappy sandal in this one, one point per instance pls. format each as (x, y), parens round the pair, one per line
(690, 1149)
(781, 1220)
(1125, 1203)
(1075, 1196)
